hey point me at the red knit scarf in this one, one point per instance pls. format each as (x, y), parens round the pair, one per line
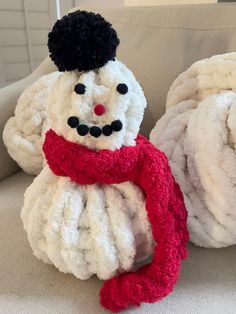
(148, 168)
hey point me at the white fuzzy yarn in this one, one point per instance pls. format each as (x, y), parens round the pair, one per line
(23, 133)
(90, 229)
(198, 134)
(100, 89)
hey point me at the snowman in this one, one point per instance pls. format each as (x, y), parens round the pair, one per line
(106, 199)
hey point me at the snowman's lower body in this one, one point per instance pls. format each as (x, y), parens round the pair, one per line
(86, 229)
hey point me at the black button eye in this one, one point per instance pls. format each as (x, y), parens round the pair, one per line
(80, 88)
(122, 88)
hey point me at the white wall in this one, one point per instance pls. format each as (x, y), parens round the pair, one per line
(164, 2)
(24, 25)
(101, 3)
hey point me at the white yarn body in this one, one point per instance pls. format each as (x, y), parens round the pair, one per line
(198, 135)
(86, 229)
(90, 229)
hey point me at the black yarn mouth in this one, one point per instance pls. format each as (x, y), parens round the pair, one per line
(95, 131)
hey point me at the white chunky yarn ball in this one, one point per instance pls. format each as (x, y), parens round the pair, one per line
(198, 135)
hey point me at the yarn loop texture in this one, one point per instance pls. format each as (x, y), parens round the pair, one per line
(147, 167)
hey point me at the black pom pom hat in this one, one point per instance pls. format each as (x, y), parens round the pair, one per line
(82, 41)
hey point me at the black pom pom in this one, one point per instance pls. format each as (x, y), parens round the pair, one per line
(122, 88)
(95, 131)
(82, 41)
(116, 125)
(80, 88)
(107, 130)
(82, 129)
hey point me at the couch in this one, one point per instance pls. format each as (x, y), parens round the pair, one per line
(157, 43)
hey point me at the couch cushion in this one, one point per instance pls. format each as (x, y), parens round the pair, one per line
(207, 283)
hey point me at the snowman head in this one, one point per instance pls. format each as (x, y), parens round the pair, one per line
(96, 100)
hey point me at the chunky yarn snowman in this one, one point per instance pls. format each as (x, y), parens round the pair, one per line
(106, 199)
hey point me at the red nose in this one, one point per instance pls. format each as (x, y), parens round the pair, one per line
(99, 109)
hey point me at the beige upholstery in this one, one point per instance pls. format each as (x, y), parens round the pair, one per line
(157, 44)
